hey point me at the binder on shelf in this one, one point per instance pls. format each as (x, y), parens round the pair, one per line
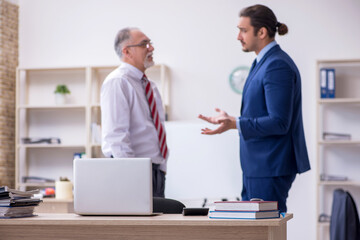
(323, 83)
(327, 83)
(330, 83)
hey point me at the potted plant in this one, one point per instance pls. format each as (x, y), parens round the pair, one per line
(60, 94)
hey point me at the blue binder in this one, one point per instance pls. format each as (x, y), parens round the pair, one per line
(330, 83)
(323, 83)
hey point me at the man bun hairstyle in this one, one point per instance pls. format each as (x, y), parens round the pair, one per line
(262, 16)
(282, 28)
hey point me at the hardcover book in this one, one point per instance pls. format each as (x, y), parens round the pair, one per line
(244, 214)
(246, 205)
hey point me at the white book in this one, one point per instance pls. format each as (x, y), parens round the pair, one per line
(246, 205)
(244, 214)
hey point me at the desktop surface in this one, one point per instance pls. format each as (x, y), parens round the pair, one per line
(163, 219)
(166, 226)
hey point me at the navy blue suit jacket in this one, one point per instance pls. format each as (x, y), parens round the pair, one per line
(272, 141)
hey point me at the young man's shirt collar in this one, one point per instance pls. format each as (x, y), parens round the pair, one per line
(265, 50)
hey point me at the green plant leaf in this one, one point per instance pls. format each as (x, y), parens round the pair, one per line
(62, 89)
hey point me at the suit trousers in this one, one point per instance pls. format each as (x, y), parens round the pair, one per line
(158, 181)
(268, 189)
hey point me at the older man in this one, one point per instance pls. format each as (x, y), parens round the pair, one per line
(131, 107)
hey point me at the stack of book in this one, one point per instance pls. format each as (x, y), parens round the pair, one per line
(245, 210)
(15, 203)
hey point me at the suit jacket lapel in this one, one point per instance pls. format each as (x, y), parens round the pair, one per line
(253, 72)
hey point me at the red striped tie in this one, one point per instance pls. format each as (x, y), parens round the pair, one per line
(155, 116)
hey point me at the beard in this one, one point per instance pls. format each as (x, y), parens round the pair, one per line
(148, 63)
(243, 47)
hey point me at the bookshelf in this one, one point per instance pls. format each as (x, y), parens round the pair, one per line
(338, 157)
(38, 116)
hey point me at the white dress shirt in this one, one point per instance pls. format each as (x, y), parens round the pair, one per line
(127, 126)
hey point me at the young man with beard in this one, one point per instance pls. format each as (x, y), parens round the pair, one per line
(131, 108)
(272, 142)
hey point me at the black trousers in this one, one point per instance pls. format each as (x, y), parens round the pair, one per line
(158, 181)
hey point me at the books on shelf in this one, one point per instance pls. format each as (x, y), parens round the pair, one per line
(52, 140)
(246, 205)
(325, 177)
(336, 136)
(327, 83)
(244, 214)
(15, 203)
(35, 179)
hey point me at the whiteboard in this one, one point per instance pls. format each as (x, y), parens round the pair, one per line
(202, 166)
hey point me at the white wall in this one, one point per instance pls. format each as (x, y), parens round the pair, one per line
(197, 40)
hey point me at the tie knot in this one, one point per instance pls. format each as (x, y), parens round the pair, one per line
(253, 65)
(144, 79)
(145, 83)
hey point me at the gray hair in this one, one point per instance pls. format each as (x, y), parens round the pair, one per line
(121, 38)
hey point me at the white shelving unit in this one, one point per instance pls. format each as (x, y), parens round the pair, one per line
(338, 157)
(38, 116)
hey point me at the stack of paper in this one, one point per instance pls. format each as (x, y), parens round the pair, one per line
(15, 203)
(245, 210)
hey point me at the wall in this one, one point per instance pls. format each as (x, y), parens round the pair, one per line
(9, 16)
(197, 40)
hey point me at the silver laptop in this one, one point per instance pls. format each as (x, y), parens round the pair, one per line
(113, 186)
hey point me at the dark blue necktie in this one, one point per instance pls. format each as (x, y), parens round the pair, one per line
(253, 65)
(251, 69)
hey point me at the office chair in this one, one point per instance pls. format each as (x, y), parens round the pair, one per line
(167, 205)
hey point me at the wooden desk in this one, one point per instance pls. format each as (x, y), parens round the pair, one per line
(163, 227)
(52, 205)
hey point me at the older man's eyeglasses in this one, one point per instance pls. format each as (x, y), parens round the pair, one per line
(143, 45)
